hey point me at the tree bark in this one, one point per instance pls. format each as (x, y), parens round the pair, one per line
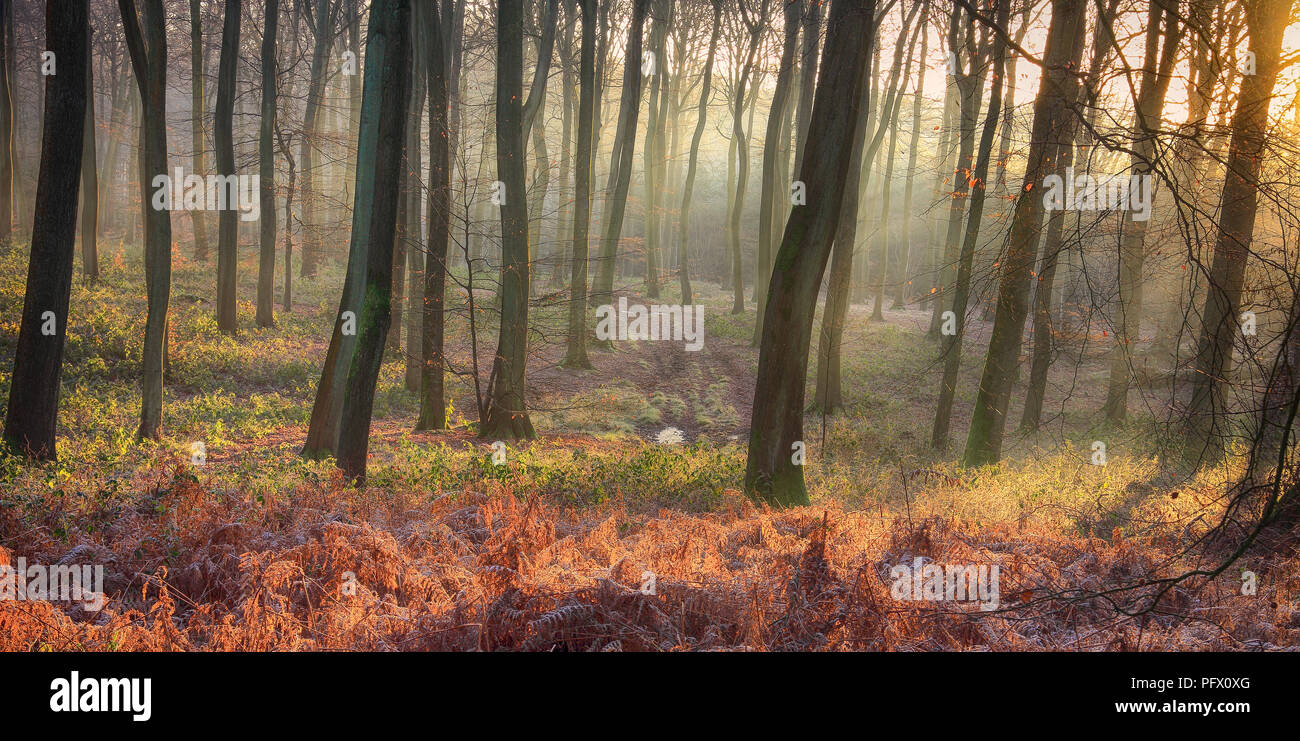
(198, 108)
(32, 414)
(433, 407)
(507, 414)
(575, 355)
(771, 474)
(223, 137)
(381, 139)
(149, 61)
(266, 170)
(1150, 105)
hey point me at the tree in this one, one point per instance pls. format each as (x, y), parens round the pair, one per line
(433, 406)
(1162, 14)
(322, 24)
(6, 124)
(756, 25)
(978, 181)
(688, 189)
(1051, 108)
(776, 427)
(148, 49)
(32, 414)
(809, 49)
(89, 182)
(620, 166)
(266, 169)
(774, 141)
(374, 220)
(575, 355)
(507, 413)
(829, 396)
(1266, 21)
(198, 107)
(223, 134)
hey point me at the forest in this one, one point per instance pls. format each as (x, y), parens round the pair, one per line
(649, 325)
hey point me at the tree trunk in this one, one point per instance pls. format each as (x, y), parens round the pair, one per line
(776, 427)
(89, 182)
(688, 189)
(223, 138)
(381, 139)
(1055, 243)
(905, 287)
(7, 127)
(1150, 105)
(1266, 20)
(507, 414)
(149, 60)
(575, 355)
(812, 27)
(829, 396)
(266, 170)
(323, 26)
(433, 407)
(198, 107)
(738, 135)
(1051, 108)
(32, 415)
(620, 172)
(772, 146)
(951, 352)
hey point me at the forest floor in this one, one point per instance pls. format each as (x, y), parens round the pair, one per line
(606, 533)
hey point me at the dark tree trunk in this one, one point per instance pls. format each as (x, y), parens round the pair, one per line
(433, 406)
(32, 415)
(198, 107)
(223, 131)
(6, 124)
(777, 422)
(829, 397)
(507, 413)
(381, 139)
(266, 168)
